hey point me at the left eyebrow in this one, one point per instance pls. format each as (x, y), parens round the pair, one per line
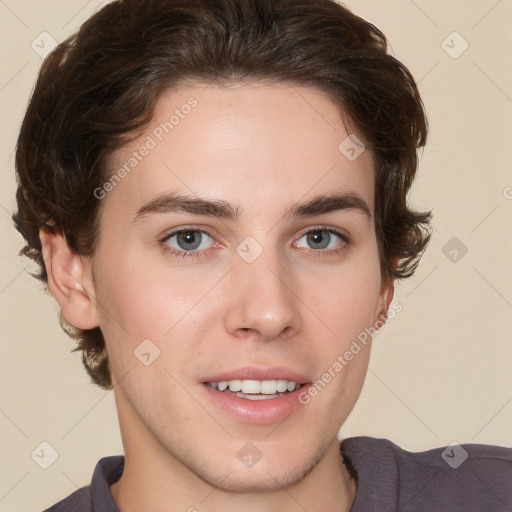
(318, 205)
(327, 203)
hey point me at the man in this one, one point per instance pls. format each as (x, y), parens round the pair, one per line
(216, 194)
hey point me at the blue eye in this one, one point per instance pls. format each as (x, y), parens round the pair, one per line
(188, 241)
(321, 238)
(192, 242)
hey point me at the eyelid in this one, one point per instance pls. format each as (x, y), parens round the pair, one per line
(331, 229)
(204, 252)
(176, 231)
(182, 253)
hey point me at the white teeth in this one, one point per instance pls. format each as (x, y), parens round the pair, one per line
(268, 387)
(223, 384)
(258, 397)
(281, 385)
(251, 386)
(235, 385)
(255, 387)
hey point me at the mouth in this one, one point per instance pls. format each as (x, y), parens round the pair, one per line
(249, 389)
(256, 395)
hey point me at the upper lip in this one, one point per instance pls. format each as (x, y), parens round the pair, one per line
(255, 373)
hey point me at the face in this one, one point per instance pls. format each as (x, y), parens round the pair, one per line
(249, 292)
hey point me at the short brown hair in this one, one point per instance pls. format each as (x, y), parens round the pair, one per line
(100, 86)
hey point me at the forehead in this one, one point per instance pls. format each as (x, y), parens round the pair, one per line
(258, 144)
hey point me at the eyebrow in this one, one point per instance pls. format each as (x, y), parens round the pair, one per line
(318, 205)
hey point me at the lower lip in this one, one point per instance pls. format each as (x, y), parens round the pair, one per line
(256, 411)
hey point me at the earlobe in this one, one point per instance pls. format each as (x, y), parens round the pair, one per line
(385, 298)
(70, 281)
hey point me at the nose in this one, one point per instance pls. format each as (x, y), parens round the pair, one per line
(264, 305)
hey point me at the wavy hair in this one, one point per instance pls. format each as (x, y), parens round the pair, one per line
(100, 86)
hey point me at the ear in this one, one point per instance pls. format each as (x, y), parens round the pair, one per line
(387, 291)
(70, 280)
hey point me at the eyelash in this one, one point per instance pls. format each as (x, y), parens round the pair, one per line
(199, 254)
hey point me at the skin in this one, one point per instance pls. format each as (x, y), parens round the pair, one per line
(263, 147)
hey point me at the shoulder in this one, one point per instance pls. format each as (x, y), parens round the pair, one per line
(97, 495)
(465, 477)
(79, 501)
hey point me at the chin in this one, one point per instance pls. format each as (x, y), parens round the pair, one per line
(264, 476)
(256, 481)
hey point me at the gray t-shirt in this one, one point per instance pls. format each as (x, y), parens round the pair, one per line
(465, 478)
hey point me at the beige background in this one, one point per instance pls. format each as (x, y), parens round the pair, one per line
(440, 371)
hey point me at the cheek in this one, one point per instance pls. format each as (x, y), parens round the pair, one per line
(139, 303)
(141, 300)
(345, 298)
